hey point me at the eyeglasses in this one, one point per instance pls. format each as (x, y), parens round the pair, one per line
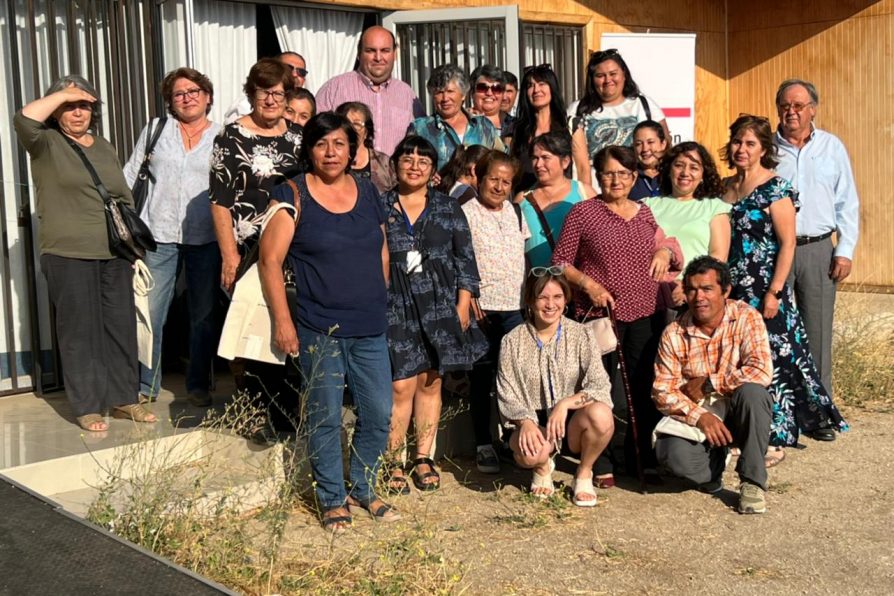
(263, 95)
(553, 270)
(492, 87)
(190, 93)
(795, 107)
(302, 72)
(619, 175)
(423, 163)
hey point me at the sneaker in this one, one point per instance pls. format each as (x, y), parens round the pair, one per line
(752, 499)
(487, 460)
(199, 398)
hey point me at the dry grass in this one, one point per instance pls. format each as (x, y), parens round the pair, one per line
(862, 371)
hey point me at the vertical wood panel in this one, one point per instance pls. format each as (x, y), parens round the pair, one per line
(849, 58)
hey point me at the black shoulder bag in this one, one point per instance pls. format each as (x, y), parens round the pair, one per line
(129, 236)
(140, 190)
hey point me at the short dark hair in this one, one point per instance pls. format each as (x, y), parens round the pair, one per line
(190, 74)
(418, 145)
(710, 186)
(463, 158)
(557, 142)
(653, 126)
(359, 106)
(510, 79)
(591, 101)
(761, 128)
(624, 155)
(494, 158)
(267, 73)
(703, 264)
(318, 127)
(302, 93)
(534, 285)
(488, 71)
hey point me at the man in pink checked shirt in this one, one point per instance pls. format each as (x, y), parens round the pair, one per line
(393, 103)
(711, 377)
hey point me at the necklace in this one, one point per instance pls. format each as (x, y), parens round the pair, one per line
(190, 137)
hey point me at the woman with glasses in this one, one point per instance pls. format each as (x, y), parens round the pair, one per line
(615, 254)
(434, 278)
(541, 110)
(650, 144)
(250, 157)
(178, 213)
(488, 87)
(610, 109)
(552, 390)
(452, 125)
(369, 163)
(498, 236)
(547, 204)
(760, 257)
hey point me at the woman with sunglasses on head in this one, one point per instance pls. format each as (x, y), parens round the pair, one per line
(498, 236)
(434, 278)
(610, 109)
(541, 110)
(250, 157)
(452, 125)
(488, 87)
(650, 144)
(615, 254)
(552, 389)
(369, 163)
(547, 204)
(763, 212)
(179, 215)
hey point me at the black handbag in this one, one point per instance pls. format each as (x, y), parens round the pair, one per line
(140, 189)
(129, 236)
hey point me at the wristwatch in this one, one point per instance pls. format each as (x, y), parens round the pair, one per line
(707, 386)
(776, 293)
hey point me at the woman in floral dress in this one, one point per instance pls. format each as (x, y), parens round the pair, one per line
(250, 157)
(761, 255)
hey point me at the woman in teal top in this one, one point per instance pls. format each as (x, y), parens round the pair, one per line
(549, 201)
(691, 209)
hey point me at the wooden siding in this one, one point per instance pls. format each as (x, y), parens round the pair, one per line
(845, 49)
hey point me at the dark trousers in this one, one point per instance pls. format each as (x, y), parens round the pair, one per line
(748, 420)
(97, 330)
(481, 380)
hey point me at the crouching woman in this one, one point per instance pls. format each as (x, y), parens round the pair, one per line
(552, 388)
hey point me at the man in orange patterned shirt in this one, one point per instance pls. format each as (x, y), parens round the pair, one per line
(711, 377)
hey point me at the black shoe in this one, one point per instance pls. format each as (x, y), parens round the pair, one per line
(821, 434)
(199, 398)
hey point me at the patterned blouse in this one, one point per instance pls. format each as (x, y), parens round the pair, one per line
(244, 169)
(534, 375)
(479, 131)
(616, 254)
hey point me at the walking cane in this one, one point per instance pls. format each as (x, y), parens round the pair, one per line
(631, 414)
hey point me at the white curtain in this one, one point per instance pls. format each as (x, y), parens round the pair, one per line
(327, 39)
(224, 44)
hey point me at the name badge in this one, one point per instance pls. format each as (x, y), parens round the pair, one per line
(414, 262)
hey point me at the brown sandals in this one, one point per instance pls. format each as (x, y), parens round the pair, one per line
(135, 412)
(93, 423)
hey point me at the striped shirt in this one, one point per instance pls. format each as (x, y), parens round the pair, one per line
(738, 352)
(393, 105)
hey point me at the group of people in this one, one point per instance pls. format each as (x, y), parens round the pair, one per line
(498, 241)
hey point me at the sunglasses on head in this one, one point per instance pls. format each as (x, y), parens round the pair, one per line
(554, 271)
(544, 66)
(493, 87)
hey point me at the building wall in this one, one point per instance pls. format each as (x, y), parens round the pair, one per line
(706, 18)
(845, 49)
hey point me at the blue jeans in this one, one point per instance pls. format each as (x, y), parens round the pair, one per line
(202, 264)
(326, 364)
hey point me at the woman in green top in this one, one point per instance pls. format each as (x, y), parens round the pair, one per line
(91, 290)
(691, 209)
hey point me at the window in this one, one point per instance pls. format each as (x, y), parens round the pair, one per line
(561, 46)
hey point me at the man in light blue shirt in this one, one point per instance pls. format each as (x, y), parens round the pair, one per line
(817, 164)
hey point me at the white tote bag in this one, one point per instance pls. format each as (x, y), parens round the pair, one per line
(142, 285)
(248, 328)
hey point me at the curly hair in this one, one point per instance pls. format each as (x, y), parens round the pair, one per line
(711, 185)
(761, 128)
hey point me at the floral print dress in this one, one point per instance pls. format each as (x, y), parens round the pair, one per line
(800, 402)
(424, 331)
(244, 169)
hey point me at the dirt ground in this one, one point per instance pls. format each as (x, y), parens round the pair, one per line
(828, 529)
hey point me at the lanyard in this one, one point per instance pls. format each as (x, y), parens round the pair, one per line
(406, 218)
(549, 376)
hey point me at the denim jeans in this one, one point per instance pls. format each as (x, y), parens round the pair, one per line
(202, 264)
(326, 364)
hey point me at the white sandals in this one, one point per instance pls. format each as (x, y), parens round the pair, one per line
(583, 486)
(544, 481)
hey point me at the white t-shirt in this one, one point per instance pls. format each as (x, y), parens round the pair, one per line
(613, 125)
